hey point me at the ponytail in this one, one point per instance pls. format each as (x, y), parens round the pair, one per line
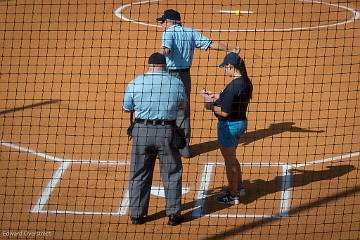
(240, 66)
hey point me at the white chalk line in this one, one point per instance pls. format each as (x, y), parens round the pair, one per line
(242, 215)
(122, 163)
(201, 193)
(64, 164)
(355, 16)
(118, 13)
(285, 202)
(45, 195)
(236, 11)
(327, 160)
(57, 159)
(285, 192)
(125, 204)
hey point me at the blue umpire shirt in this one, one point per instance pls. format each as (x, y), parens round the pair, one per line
(182, 41)
(155, 95)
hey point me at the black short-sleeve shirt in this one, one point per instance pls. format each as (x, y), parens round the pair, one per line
(235, 98)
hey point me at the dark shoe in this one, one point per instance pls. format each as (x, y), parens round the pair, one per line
(175, 219)
(186, 152)
(242, 192)
(228, 198)
(137, 220)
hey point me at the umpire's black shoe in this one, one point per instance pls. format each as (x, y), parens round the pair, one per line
(137, 220)
(175, 219)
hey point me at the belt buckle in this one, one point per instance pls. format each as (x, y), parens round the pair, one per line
(163, 123)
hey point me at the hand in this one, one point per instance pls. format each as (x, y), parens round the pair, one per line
(209, 96)
(209, 105)
(236, 50)
(164, 51)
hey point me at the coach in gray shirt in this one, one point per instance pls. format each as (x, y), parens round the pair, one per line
(155, 97)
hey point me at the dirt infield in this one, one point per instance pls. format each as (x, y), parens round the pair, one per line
(64, 154)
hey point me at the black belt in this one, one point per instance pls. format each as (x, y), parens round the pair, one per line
(155, 122)
(180, 70)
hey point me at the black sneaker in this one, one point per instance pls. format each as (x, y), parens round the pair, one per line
(137, 220)
(175, 219)
(186, 152)
(242, 192)
(228, 198)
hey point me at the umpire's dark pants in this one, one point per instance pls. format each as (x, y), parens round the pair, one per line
(185, 77)
(148, 142)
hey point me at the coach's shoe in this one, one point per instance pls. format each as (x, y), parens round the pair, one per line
(228, 198)
(137, 220)
(175, 219)
(186, 152)
(241, 192)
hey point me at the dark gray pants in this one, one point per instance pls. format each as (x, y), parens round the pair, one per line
(185, 77)
(150, 141)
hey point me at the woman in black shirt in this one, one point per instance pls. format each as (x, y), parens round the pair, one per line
(230, 109)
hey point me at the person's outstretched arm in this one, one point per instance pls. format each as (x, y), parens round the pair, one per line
(221, 47)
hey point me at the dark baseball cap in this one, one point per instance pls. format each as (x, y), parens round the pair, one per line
(157, 58)
(232, 59)
(170, 14)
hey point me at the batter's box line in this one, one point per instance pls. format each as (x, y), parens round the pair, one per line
(199, 202)
(285, 202)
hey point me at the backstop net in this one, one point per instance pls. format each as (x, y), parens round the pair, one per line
(65, 154)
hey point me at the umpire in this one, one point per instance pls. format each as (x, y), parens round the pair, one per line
(178, 45)
(155, 97)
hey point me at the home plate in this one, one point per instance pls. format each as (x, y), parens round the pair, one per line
(159, 191)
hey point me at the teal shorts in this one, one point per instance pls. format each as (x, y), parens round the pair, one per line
(229, 133)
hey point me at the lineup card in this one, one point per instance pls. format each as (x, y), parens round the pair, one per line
(206, 95)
